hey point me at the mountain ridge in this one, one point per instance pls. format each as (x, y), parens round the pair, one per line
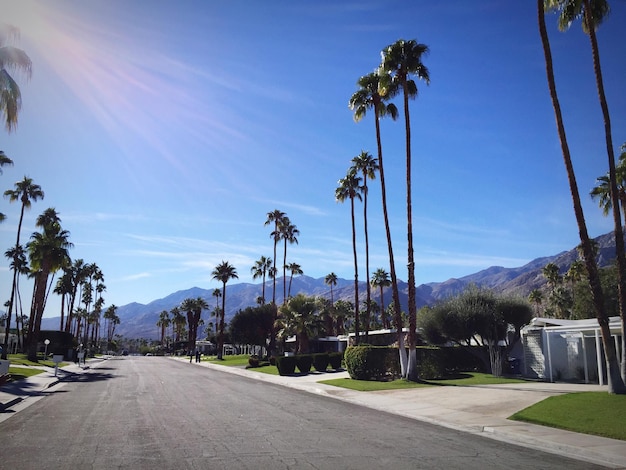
(139, 320)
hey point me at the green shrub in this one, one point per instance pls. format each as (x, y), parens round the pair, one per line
(304, 362)
(335, 359)
(286, 365)
(372, 362)
(430, 363)
(253, 361)
(273, 360)
(320, 361)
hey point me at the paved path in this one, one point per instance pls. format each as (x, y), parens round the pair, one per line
(478, 410)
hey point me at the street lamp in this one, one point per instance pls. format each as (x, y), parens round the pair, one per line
(45, 354)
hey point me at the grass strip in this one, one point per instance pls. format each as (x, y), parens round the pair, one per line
(19, 373)
(598, 413)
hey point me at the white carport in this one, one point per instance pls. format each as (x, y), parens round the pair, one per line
(557, 349)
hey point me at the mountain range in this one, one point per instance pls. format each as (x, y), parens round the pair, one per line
(139, 320)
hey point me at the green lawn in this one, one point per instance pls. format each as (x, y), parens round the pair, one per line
(22, 359)
(19, 373)
(596, 413)
(464, 378)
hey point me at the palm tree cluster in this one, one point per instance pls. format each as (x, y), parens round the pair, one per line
(400, 62)
(592, 13)
(80, 286)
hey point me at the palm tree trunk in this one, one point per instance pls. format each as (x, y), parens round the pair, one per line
(357, 332)
(368, 299)
(615, 382)
(220, 338)
(617, 218)
(392, 267)
(412, 359)
(14, 284)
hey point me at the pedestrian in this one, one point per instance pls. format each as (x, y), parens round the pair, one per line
(190, 356)
(197, 356)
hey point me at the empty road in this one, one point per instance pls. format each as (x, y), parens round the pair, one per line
(153, 412)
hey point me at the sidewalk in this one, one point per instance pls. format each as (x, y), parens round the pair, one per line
(480, 410)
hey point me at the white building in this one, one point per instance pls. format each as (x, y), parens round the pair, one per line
(570, 350)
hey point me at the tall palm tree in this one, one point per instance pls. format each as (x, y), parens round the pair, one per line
(223, 272)
(26, 192)
(289, 234)
(536, 297)
(178, 321)
(350, 188)
(380, 280)
(602, 191)
(259, 270)
(403, 59)
(615, 381)
(295, 270)
(4, 160)
(331, 280)
(163, 322)
(11, 58)
(367, 165)
(369, 96)
(18, 263)
(48, 251)
(64, 287)
(112, 321)
(592, 13)
(193, 308)
(275, 217)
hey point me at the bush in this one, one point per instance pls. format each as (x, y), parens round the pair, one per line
(253, 361)
(286, 365)
(430, 363)
(304, 362)
(320, 361)
(273, 360)
(372, 362)
(335, 359)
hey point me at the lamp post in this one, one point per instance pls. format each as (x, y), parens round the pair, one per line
(45, 354)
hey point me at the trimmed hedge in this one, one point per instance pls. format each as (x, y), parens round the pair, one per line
(286, 365)
(304, 362)
(320, 362)
(335, 359)
(372, 362)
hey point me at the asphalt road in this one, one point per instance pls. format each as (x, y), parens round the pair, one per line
(152, 412)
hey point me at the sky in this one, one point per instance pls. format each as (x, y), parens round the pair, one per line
(163, 132)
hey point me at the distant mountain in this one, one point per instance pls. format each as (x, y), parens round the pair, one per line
(139, 320)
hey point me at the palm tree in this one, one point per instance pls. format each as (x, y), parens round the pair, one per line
(300, 317)
(223, 272)
(18, 263)
(11, 58)
(48, 251)
(178, 321)
(26, 192)
(380, 280)
(403, 59)
(4, 160)
(193, 308)
(113, 320)
(331, 280)
(593, 12)
(288, 233)
(64, 287)
(615, 381)
(369, 96)
(602, 192)
(368, 167)
(536, 297)
(163, 323)
(260, 269)
(295, 270)
(350, 188)
(275, 217)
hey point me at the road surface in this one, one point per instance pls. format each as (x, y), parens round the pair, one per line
(154, 412)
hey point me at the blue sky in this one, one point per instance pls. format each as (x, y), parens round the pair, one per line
(163, 132)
